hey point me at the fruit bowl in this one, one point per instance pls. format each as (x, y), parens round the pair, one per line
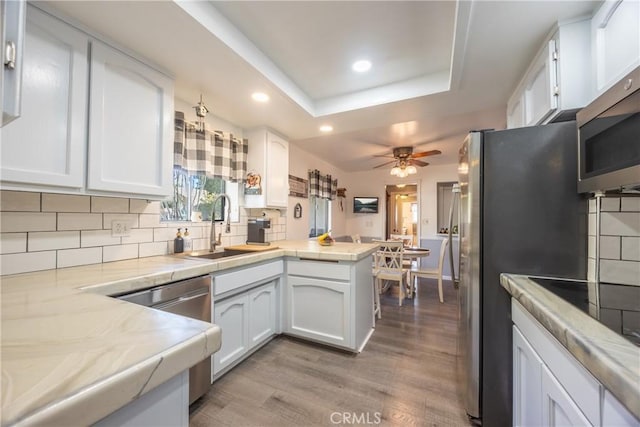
(326, 242)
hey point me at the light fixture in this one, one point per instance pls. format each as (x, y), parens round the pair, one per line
(260, 97)
(401, 185)
(361, 66)
(326, 128)
(402, 170)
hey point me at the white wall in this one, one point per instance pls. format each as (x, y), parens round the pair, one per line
(300, 162)
(372, 183)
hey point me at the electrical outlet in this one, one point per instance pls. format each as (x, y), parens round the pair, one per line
(120, 228)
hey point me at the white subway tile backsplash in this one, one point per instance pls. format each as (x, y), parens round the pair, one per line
(79, 221)
(19, 201)
(152, 249)
(65, 230)
(620, 224)
(143, 206)
(11, 243)
(120, 252)
(27, 261)
(89, 238)
(65, 203)
(621, 272)
(609, 247)
(132, 219)
(630, 204)
(150, 221)
(51, 240)
(591, 270)
(592, 224)
(610, 204)
(83, 256)
(139, 235)
(631, 248)
(27, 221)
(109, 204)
(164, 234)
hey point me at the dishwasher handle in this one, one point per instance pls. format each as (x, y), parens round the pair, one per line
(180, 300)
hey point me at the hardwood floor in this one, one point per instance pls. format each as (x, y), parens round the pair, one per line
(405, 376)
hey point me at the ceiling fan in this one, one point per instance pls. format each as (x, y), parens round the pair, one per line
(406, 160)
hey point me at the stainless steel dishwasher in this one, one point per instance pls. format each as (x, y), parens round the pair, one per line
(189, 298)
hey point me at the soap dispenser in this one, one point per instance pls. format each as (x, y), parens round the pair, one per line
(178, 242)
(188, 242)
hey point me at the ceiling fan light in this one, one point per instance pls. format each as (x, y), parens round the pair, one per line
(395, 170)
(411, 170)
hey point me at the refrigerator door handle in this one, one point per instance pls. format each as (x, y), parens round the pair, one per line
(454, 200)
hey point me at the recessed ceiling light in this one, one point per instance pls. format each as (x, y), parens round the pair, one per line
(260, 97)
(361, 66)
(326, 128)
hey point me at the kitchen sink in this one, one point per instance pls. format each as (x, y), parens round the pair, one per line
(217, 255)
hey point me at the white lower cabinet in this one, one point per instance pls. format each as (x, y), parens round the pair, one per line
(232, 315)
(248, 320)
(263, 305)
(166, 405)
(527, 386)
(319, 310)
(551, 388)
(558, 409)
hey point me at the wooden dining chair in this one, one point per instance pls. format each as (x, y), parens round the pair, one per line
(433, 273)
(388, 260)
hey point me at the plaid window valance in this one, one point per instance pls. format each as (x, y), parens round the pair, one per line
(322, 185)
(213, 154)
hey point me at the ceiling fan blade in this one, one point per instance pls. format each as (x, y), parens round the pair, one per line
(419, 162)
(384, 155)
(384, 164)
(426, 153)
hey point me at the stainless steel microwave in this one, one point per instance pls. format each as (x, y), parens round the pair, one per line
(609, 138)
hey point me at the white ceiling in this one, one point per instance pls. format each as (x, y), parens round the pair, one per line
(440, 68)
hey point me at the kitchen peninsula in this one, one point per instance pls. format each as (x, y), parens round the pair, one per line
(71, 355)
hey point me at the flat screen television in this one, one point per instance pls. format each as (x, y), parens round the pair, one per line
(365, 205)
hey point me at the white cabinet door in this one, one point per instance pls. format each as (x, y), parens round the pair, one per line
(277, 173)
(46, 145)
(263, 303)
(527, 383)
(130, 125)
(558, 409)
(616, 41)
(615, 414)
(12, 24)
(319, 310)
(540, 98)
(232, 315)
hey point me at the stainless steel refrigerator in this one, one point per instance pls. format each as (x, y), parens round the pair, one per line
(520, 212)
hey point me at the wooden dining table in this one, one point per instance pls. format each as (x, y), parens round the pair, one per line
(410, 253)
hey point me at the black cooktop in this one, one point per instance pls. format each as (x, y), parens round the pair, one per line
(618, 308)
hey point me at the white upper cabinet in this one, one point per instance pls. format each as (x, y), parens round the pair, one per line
(111, 134)
(555, 82)
(615, 31)
(269, 157)
(46, 146)
(12, 23)
(130, 125)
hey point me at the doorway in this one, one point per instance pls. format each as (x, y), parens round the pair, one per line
(402, 213)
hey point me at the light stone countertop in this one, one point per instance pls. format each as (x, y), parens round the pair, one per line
(611, 359)
(71, 356)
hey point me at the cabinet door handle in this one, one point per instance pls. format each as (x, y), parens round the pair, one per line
(10, 55)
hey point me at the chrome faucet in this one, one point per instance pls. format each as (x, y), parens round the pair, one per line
(212, 238)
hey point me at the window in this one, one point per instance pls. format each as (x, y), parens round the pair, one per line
(319, 216)
(193, 198)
